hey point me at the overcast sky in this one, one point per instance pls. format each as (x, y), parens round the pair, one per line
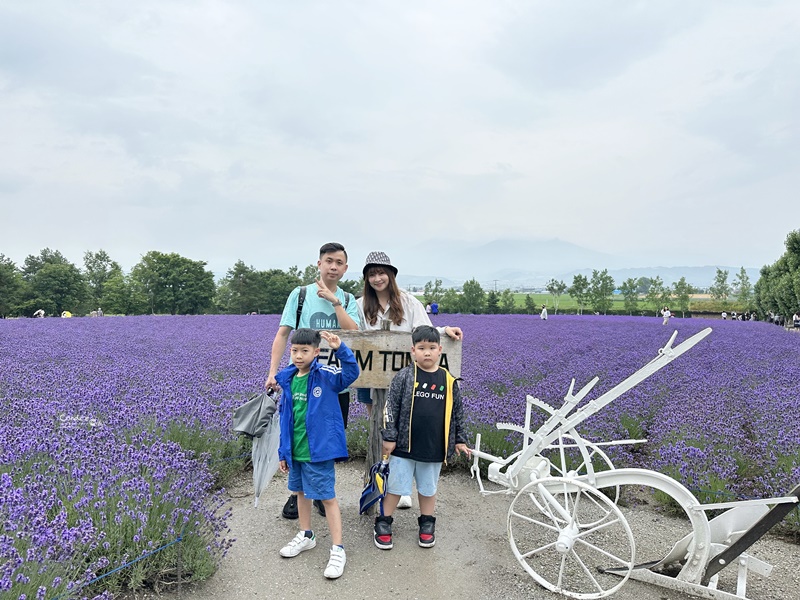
(663, 132)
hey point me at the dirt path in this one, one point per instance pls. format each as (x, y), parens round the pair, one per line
(472, 557)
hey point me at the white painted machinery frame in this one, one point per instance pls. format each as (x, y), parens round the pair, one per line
(578, 503)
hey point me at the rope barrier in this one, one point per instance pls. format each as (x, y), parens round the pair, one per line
(177, 540)
(119, 568)
(242, 455)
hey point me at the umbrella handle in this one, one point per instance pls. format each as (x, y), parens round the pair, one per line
(275, 395)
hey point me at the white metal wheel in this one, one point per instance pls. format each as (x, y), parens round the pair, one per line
(572, 456)
(561, 530)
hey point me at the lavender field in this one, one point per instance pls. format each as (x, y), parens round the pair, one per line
(114, 432)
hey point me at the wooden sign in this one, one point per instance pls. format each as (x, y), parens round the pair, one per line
(381, 354)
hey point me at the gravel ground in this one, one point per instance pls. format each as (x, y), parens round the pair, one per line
(472, 557)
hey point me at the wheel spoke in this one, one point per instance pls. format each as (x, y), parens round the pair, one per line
(609, 555)
(530, 553)
(596, 528)
(567, 499)
(599, 504)
(575, 507)
(535, 522)
(587, 571)
(544, 506)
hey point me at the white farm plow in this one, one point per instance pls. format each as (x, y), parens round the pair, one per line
(567, 530)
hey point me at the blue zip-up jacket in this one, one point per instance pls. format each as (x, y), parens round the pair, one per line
(324, 424)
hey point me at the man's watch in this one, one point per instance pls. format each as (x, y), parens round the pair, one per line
(336, 303)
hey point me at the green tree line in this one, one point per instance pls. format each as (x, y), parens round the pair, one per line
(595, 293)
(163, 283)
(159, 283)
(777, 291)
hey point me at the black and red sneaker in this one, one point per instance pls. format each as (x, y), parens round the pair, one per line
(383, 532)
(427, 524)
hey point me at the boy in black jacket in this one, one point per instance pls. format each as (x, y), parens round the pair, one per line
(423, 426)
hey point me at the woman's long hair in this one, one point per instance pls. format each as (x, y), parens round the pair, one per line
(371, 305)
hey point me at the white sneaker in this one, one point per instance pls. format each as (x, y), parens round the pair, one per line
(336, 563)
(405, 502)
(298, 544)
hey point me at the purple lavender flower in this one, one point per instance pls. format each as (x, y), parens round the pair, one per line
(106, 423)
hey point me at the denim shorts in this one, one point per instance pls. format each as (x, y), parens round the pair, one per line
(403, 470)
(316, 480)
(363, 395)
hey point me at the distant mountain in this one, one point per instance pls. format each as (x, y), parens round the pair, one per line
(499, 258)
(530, 264)
(506, 260)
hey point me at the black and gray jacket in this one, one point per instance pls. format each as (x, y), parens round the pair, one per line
(400, 405)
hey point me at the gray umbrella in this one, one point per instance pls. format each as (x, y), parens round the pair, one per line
(265, 455)
(258, 419)
(252, 417)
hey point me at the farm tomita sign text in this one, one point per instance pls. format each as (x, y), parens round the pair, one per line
(381, 354)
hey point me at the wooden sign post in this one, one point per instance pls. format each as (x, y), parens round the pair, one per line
(381, 354)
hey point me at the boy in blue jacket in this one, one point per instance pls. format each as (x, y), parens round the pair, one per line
(313, 437)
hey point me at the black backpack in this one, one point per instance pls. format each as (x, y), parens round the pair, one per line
(302, 298)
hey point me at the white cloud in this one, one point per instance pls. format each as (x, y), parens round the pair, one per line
(651, 130)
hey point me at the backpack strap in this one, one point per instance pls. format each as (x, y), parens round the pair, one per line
(302, 298)
(300, 301)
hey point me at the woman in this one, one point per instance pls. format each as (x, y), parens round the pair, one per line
(383, 305)
(383, 300)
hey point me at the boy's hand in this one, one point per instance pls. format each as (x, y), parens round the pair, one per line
(333, 340)
(388, 447)
(463, 448)
(284, 467)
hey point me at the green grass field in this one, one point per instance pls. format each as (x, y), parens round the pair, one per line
(567, 304)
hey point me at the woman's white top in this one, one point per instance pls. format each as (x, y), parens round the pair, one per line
(413, 315)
